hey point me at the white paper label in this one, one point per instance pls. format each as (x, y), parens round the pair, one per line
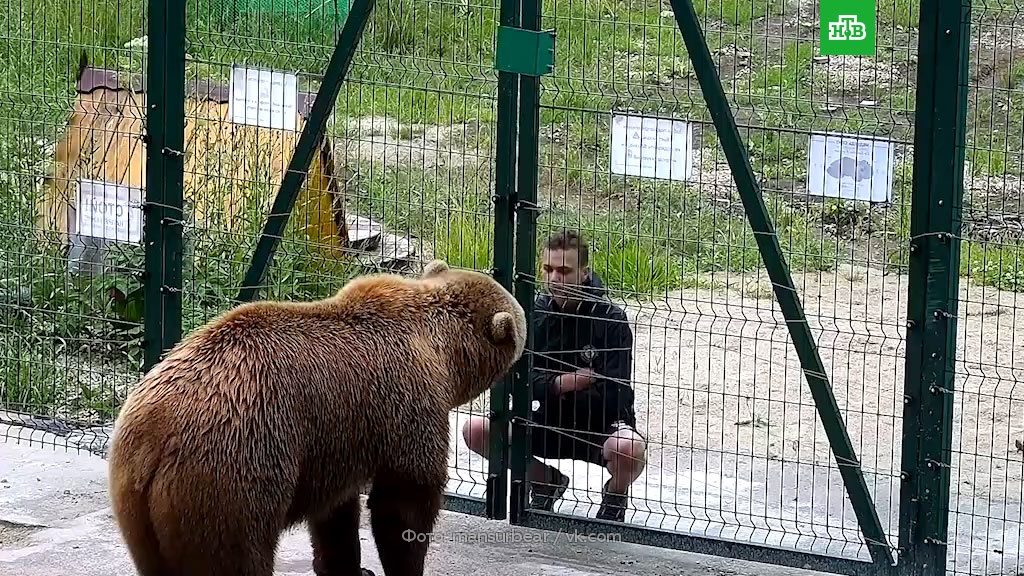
(109, 211)
(263, 98)
(850, 167)
(651, 147)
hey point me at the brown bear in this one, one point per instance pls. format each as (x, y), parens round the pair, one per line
(277, 413)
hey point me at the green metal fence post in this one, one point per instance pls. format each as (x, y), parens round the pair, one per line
(165, 134)
(504, 265)
(933, 288)
(526, 239)
(522, 396)
(309, 142)
(782, 281)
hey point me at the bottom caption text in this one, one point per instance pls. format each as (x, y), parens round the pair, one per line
(513, 537)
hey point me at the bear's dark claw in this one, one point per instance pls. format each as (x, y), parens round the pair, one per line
(367, 572)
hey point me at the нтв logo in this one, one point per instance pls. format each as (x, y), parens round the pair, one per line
(847, 28)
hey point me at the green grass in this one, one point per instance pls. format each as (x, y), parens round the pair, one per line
(996, 136)
(465, 240)
(647, 260)
(738, 12)
(996, 264)
(637, 265)
(72, 343)
(785, 75)
(778, 154)
(899, 12)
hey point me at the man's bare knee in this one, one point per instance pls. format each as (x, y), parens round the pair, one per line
(626, 448)
(475, 432)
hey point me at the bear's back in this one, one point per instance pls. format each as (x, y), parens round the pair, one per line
(297, 384)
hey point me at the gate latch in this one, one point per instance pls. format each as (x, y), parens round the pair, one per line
(527, 52)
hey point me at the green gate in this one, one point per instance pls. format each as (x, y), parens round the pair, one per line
(920, 544)
(880, 552)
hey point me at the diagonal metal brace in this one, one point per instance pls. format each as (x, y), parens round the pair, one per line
(309, 143)
(782, 282)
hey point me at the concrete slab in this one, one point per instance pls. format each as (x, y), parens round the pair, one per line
(54, 514)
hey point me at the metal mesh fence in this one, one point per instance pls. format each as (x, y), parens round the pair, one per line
(986, 520)
(70, 315)
(405, 174)
(734, 445)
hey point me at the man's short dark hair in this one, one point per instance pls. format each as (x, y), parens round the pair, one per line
(569, 240)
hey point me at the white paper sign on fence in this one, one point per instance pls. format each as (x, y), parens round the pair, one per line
(109, 211)
(263, 98)
(651, 147)
(850, 167)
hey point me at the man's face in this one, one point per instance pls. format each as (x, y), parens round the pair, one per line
(561, 273)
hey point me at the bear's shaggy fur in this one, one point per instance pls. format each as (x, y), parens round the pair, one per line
(277, 413)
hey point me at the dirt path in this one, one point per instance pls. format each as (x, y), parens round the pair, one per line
(721, 373)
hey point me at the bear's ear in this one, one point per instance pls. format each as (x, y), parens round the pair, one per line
(434, 268)
(503, 327)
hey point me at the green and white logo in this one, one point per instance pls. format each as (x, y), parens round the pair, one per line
(847, 27)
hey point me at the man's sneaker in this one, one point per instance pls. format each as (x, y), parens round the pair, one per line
(544, 494)
(613, 506)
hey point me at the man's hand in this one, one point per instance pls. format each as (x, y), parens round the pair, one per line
(575, 381)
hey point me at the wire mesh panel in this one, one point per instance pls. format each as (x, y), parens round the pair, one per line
(985, 524)
(403, 175)
(732, 444)
(71, 184)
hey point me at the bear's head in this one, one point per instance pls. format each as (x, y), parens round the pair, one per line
(488, 334)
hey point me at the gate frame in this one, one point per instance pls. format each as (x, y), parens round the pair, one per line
(935, 15)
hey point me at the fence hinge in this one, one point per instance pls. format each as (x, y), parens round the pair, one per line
(527, 52)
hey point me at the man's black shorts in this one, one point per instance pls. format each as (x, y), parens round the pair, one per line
(574, 436)
(568, 444)
(560, 444)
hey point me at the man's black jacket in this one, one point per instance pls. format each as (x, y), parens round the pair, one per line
(595, 335)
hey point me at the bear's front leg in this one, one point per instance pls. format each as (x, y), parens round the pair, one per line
(402, 516)
(335, 538)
